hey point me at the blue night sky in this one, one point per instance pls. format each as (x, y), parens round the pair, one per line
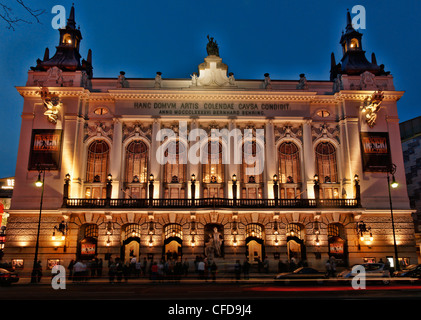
(283, 38)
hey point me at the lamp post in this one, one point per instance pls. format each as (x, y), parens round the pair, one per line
(234, 189)
(193, 189)
(151, 187)
(40, 184)
(275, 189)
(391, 171)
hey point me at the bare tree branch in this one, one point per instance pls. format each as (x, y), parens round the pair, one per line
(8, 16)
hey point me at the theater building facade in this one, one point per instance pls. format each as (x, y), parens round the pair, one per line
(168, 168)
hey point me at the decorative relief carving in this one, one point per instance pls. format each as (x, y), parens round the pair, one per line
(289, 131)
(98, 129)
(325, 131)
(137, 130)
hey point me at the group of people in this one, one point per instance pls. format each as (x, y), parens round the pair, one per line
(81, 270)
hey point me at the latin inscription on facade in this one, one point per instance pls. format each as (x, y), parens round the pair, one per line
(211, 108)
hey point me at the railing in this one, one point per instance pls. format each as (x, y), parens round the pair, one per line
(211, 203)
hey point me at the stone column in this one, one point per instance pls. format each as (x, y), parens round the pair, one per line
(116, 157)
(270, 159)
(155, 167)
(308, 160)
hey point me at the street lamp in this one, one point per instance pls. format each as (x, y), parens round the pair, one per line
(391, 170)
(275, 189)
(39, 184)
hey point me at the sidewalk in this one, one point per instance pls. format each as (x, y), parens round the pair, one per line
(190, 278)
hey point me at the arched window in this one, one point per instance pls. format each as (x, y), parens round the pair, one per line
(327, 170)
(91, 231)
(97, 169)
(254, 230)
(326, 165)
(98, 154)
(173, 230)
(175, 166)
(136, 162)
(136, 175)
(252, 170)
(131, 230)
(289, 163)
(289, 173)
(213, 170)
(175, 170)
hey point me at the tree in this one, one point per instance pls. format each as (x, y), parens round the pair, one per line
(8, 15)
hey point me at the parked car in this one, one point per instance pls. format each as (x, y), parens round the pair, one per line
(373, 272)
(303, 274)
(412, 271)
(8, 277)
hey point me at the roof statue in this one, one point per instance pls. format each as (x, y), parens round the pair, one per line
(212, 47)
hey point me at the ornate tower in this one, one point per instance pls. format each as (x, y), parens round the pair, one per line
(353, 61)
(67, 56)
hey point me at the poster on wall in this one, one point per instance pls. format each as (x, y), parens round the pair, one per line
(45, 149)
(375, 151)
(87, 249)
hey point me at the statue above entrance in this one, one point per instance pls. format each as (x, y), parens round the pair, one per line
(212, 47)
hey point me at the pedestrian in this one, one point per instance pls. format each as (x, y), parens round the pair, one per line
(39, 271)
(70, 268)
(138, 269)
(266, 264)
(246, 269)
(118, 269)
(99, 268)
(332, 266)
(237, 270)
(154, 271)
(126, 271)
(111, 271)
(213, 270)
(186, 267)
(201, 269)
(328, 268)
(144, 265)
(78, 271)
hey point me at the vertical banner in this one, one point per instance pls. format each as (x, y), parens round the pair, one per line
(375, 151)
(45, 149)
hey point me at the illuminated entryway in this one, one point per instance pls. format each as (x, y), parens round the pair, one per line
(255, 249)
(130, 242)
(173, 242)
(295, 243)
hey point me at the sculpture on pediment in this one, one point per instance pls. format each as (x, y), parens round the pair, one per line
(268, 85)
(231, 79)
(122, 82)
(302, 85)
(158, 80)
(194, 79)
(212, 47)
(370, 107)
(337, 83)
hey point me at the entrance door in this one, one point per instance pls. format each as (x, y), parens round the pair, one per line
(254, 251)
(294, 250)
(131, 250)
(172, 249)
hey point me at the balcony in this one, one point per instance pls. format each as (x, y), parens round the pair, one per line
(210, 203)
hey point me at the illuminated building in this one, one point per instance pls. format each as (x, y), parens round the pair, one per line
(326, 145)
